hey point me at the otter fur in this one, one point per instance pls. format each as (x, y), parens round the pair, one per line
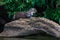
(27, 14)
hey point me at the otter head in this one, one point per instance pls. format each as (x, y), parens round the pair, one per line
(30, 12)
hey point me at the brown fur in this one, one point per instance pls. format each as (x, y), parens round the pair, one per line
(19, 15)
(23, 14)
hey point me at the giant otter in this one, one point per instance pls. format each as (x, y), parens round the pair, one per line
(27, 14)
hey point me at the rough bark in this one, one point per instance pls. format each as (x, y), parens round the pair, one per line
(24, 27)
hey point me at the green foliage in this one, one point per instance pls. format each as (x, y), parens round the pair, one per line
(53, 14)
(14, 6)
(50, 12)
(19, 5)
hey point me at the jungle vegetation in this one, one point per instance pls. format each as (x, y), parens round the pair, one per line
(46, 8)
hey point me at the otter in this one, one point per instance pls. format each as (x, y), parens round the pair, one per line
(27, 14)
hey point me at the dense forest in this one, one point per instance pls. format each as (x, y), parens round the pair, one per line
(45, 8)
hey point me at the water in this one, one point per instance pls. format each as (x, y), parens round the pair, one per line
(32, 37)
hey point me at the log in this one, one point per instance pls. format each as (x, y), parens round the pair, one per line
(28, 26)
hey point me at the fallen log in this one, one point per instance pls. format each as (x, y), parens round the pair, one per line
(28, 26)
